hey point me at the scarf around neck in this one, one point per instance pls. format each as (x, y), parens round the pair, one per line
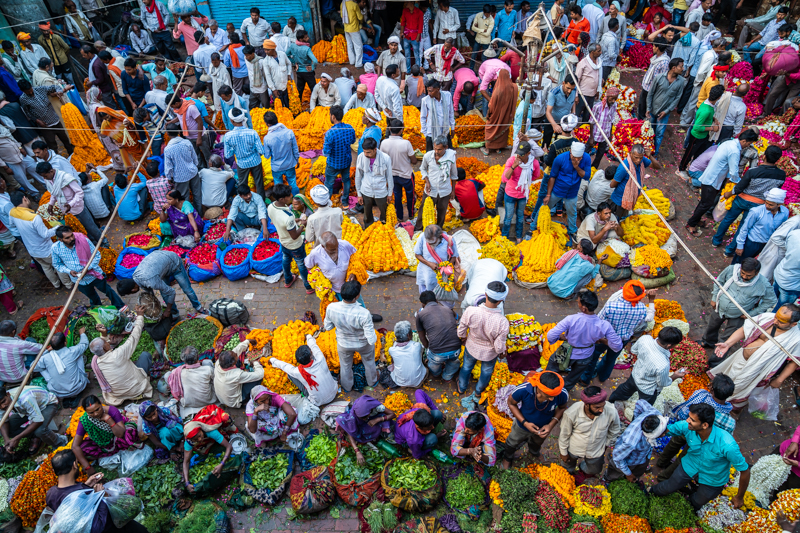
(735, 278)
(648, 77)
(308, 376)
(56, 187)
(448, 59)
(174, 380)
(181, 111)
(152, 7)
(84, 251)
(526, 176)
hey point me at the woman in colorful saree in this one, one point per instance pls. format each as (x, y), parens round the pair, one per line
(208, 432)
(121, 129)
(365, 421)
(163, 428)
(102, 431)
(181, 216)
(269, 416)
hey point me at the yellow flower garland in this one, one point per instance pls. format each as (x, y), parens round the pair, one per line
(449, 283)
(428, 213)
(503, 250)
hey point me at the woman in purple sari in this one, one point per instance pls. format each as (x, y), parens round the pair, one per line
(182, 217)
(366, 420)
(102, 431)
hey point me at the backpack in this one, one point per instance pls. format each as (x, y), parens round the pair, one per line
(229, 312)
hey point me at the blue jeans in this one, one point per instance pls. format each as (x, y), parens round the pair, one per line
(477, 52)
(677, 17)
(748, 50)
(443, 364)
(331, 175)
(377, 37)
(784, 296)
(606, 366)
(186, 286)
(487, 367)
(90, 290)
(408, 46)
(401, 184)
(299, 255)
(738, 207)
(571, 205)
(660, 126)
(695, 175)
(465, 103)
(291, 177)
(243, 221)
(514, 205)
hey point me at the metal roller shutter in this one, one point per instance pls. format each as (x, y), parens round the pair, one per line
(467, 8)
(236, 11)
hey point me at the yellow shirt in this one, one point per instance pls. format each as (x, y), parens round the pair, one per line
(705, 89)
(680, 4)
(355, 16)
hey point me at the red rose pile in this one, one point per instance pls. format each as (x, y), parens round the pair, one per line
(235, 257)
(216, 231)
(203, 254)
(131, 260)
(689, 355)
(554, 512)
(175, 248)
(582, 132)
(139, 240)
(638, 56)
(584, 527)
(742, 69)
(265, 250)
(590, 496)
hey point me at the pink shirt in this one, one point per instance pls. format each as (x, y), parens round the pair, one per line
(513, 181)
(462, 76)
(485, 330)
(193, 122)
(369, 80)
(489, 71)
(785, 445)
(187, 30)
(74, 195)
(588, 77)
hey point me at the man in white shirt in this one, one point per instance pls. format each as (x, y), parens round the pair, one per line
(354, 333)
(218, 182)
(439, 171)
(326, 218)
(291, 29)
(277, 68)
(387, 93)
(141, 41)
(446, 59)
(93, 194)
(346, 85)
(362, 98)
(437, 118)
(594, 15)
(216, 37)
(311, 375)
(374, 182)
(58, 162)
(280, 40)
(232, 385)
(446, 23)
(202, 56)
(403, 156)
(158, 94)
(392, 56)
(255, 29)
(406, 355)
(259, 97)
(325, 93)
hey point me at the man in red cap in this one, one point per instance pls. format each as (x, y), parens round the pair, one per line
(58, 51)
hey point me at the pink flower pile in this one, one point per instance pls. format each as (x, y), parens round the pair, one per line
(638, 55)
(742, 69)
(131, 260)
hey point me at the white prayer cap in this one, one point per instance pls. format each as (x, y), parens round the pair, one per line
(775, 195)
(577, 149)
(326, 76)
(569, 122)
(393, 39)
(534, 134)
(242, 118)
(373, 115)
(369, 68)
(321, 195)
(497, 295)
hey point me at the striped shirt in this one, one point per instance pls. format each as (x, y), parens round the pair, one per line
(632, 448)
(180, 160)
(245, 144)
(353, 325)
(651, 369)
(38, 107)
(31, 403)
(158, 189)
(488, 329)
(65, 259)
(722, 420)
(12, 357)
(624, 317)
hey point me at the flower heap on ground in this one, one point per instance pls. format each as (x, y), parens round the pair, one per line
(381, 249)
(492, 178)
(524, 332)
(472, 166)
(661, 202)
(652, 256)
(644, 229)
(88, 148)
(286, 340)
(541, 252)
(503, 250)
(485, 228)
(470, 129)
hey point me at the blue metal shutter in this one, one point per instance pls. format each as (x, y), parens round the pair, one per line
(236, 11)
(467, 8)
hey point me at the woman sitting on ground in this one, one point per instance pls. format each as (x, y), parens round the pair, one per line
(102, 431)
(163, 428)
(574, 270)
(182, 218)
(365, 421)
(269, 416)
(207, 433)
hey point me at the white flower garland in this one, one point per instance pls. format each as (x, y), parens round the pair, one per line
(769, 473)
(3, 495)
(720, 514)
(675, 323)
(408, 247)
(668, 398)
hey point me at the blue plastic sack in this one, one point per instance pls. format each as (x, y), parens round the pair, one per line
(202, 273)
(270, 266)
(127, 273)
(242, 270)
(370, 54)
(182, 7)
(75, 98)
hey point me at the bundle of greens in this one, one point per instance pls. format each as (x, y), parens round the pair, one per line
(146, 344)
(160, 522)
(321, 450)
(200, 519)
(412, 475)
(90, 323)
(9, 470)
(197, 332)
(154, 486)
(627, 498)
(270, 472)
(465, 491)
(380, 516)
(671, 511)
(348, 469)
(39, 330)
(518, 492)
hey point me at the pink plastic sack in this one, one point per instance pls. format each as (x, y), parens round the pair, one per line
(781, 58)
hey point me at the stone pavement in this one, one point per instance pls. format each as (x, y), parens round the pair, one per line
(396, 298)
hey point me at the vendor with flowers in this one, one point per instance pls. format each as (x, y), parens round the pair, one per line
(537, 405)
(600, 226)
(437, 254)
(712, 452)
(474, 439)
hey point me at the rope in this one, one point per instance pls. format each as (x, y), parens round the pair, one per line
(60, 16)
(632, 176)
(82, 273)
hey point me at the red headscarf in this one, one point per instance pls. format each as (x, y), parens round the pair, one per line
(719, 68)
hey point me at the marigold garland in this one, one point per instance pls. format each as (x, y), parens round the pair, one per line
(541, 252)
(301, 120)
(726, 189)
(88, 148)
(644, 229)
(351, 231)
(749, 499)
(653, 256)
(592, 500)
(472, 165)
(523, 332)
(692, 383)
(73, 421)
(294, 99)
(485, 228)
(620, 523)
(75, 224)
(338, 50)
(381, 249)
(502, 424)
(257, 115)
(470, 129)
(357, 268)
(492, 178)
(320, 50)
(323, 288)
(261, 336)
(391, 215)
(428, 213)
(154, 226)
(547, 349)
(661, 202)
(503, 250)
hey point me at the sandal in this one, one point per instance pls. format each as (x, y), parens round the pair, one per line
(484, 151)
(694, 231)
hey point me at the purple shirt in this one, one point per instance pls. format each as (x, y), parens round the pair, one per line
(12, 357)
(113, 412)
(583, 331)
(407, 434)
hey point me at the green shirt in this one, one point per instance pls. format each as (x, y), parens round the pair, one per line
(711, 460)
(704, 117)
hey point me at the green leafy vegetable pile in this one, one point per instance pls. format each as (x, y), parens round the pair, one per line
(518, 491)
(200, 519)
(380, 516)
(321, 450)
(233, 343)
(160, 522)
(198, 472)
(146, 344)
(627, 498)
(197, 332)
(348, 469)
(269, 473)
(464, 491)
(412, 475)
(154, 486)
(671, 511)
(90, 323)
(39, 330)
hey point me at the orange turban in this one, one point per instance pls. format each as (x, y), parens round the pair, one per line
(629, 294)
(270, 45)
(44, 25)
(22, 36)
(534, 379)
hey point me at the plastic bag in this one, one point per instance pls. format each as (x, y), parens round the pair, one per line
(201, 273)
(306, 410)
(114, 321)
(123, 504)
(76, 512)
(43, 524)
(271, 265)
(182, 7)
(720, 210)
(764, 403)
(235, 272)
(127, 462)
(126, 273)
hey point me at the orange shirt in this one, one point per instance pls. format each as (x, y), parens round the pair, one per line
(575, 28)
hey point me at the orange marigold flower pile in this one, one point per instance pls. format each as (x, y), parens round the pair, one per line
(321, 50)
(547, 348)
(261, 336)
(472, 165)
(668, 310)
(108, 260)
(381, 249)
(259, 125)
(301, 120)
(288, 338)
(284, 114)
(398, 402)
(294, 99)
(653, 256)
(154, 226)
(29, 498)
(88, 148)
(311, 137)
(358, 268)
(470, 129)
(412, 130)
(338, 50)
(503, 250)
(621, 523)
(492, 178)
(485, 228)
(73, 422)
(692, 383)
(73, 222)
(303, 170)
